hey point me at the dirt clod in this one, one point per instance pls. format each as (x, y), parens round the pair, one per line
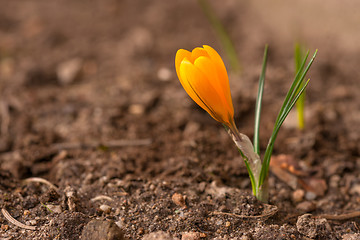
(160, 235)
(102, 230)
(179, 199)
(314, 227)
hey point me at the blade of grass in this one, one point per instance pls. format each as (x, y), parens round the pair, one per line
(293, 85)
(269, 149)
(258, 103)
(298, 82)
(222, 34)
(300, 104)
(292, 96)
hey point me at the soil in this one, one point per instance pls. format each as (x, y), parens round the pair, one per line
(90, 103)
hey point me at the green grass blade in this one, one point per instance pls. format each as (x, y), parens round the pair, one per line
(222, 34)
(296, 98)
(292, 96)
(300, 107)
(300, 104)
(298, 57)
(258, 103)
(252, 178)
(293, 85)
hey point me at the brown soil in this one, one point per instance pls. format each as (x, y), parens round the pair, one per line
(89, 101)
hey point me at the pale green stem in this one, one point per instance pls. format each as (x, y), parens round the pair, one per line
(246, 148)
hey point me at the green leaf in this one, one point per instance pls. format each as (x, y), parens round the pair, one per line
(300, 104)
(258, 103)
(295, 91)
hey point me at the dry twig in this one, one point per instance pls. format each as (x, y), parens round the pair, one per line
(101, 197)
(41, 180)
(344, 216)
(16, 222)
(269, 211)
(109, 144)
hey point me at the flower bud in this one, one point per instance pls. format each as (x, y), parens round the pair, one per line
(203, 75)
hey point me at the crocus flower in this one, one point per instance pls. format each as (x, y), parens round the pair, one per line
(203, 75)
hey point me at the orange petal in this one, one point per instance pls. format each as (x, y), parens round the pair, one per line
(198, 52)
(203, 90)
(208, 68)
(180, 55)
(220, 68)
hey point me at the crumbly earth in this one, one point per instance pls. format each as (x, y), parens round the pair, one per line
(90, 102)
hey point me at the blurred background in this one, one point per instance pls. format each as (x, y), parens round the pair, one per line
(80, 70)
(89, 98)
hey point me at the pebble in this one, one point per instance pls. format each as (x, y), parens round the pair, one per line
(306, 206)
(105, 208)
(32, 222)
(334, 181)
(219, 222)
(310, 196)
(69, 70)
(160, 235)
(54, 208)
(190, 236)
(314, 227)
(164, 74)
(4, 227)
(245, 237)
(136, 109)
(179, 200)
(104, 230)
(355, 189)
(26, 212)
(298, 195)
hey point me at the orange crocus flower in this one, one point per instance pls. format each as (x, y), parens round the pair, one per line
(203, 75)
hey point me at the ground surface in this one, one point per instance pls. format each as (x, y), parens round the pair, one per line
(90, 102)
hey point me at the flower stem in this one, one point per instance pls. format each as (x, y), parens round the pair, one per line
(263, 191)
(252, 161)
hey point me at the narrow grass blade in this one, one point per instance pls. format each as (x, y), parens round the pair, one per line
(292, 96)
(300, 104)
(258, 103)
(222, 34)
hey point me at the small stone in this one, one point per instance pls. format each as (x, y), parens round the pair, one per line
(136, 109)
(4, 227)
(32, 222)
(245, 237)
(355, 189)
(54, 208)
(314, 228)
(164, 74)
(141, 231)
(105, 208)
(72, 199)
(160, 235)
(334, 181)
(179, 200)
(306, 206)
(190, 236)
(298, 195)
(219, 222)
(227, 224)
(310, 196)
(69, 70)
(104, 230)
(26, 212)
